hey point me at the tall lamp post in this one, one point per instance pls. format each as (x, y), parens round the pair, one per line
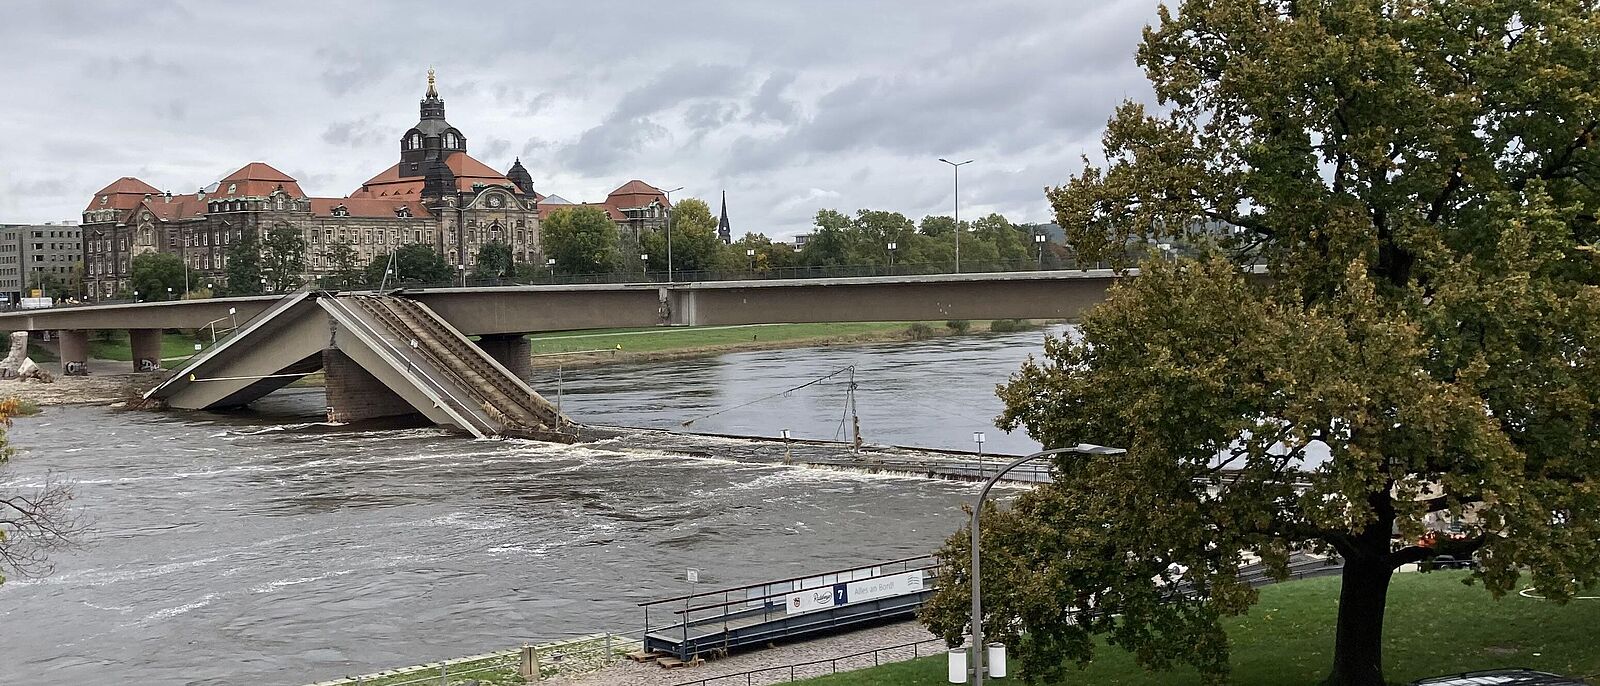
(957, 167)
(669, 230)
(977, 581)
(1039, 240)
(891, 247)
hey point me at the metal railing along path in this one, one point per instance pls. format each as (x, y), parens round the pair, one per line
(823, 667)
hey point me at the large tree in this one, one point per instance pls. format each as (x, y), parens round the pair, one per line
(412, 263)
(582, 240)
(494, 261)
(284, 259)
(158, 276)
(1421, 180)
(345, 266)
(244, 265)
(695, 245)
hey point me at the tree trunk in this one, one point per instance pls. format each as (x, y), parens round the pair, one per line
(1358, 646)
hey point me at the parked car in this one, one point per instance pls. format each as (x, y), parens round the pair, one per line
(1447, 562)
(1500, 677)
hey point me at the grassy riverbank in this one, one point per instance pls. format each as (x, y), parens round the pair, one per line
(592, 347)
(113, 345)
(1435, 625)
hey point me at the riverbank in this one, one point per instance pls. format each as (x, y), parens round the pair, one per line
(658, 344)
(80, 390)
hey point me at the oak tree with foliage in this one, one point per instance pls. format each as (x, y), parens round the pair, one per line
(494, 261)
(244, 265)
(1421, 180)
(582, 240)
(412, 263)
(157, 276)
(284, 260)
(695, 245)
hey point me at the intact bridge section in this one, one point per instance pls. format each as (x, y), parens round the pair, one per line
(459, 356)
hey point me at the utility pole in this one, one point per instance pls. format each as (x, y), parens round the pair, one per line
(957, 167)
(669, 230)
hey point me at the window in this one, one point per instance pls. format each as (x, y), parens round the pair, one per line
(232, 187)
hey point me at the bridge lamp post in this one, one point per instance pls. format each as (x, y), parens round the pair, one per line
(136, 296)
(551, 264)
(669, 230)
(892, 246)
(1038, 239)
(461, 270)
(169, 292)
(957, 167)
(644, 265)
(978, 437)
(997, 652)
(751, 253)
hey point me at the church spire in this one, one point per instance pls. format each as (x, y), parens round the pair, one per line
(724, 231)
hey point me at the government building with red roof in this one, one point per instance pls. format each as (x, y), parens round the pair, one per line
(436, 195)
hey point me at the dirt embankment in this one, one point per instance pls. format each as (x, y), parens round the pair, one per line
(72, 390)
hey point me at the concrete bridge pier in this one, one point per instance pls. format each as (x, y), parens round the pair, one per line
(74, 352)
(513, 351)
(355, 394)
(146, 345)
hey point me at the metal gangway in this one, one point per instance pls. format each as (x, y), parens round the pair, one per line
(727, 619)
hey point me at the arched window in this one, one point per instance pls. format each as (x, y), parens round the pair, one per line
(416, 141)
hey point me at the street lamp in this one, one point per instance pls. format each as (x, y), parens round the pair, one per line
(669, 230)
(644, 265)
(461, 270)
(1039, 239)
(978, 437)
(892, 246)
(751, 253)
(977, 582)
(957, 167)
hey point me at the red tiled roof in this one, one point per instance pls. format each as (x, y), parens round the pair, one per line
(123, 194)
(257, 179)
(177, 207)
(635, 193)
(366, 207)
(546, 210)
(468, 171)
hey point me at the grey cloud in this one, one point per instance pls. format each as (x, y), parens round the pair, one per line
(709, 115)
(345, 72)
(770, 105)
(676, 85)
(602, 149)
(355, 133)
(494, 149)
(141, 65)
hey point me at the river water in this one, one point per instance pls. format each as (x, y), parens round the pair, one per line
(264, 548)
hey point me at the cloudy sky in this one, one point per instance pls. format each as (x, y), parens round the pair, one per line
(788, 106)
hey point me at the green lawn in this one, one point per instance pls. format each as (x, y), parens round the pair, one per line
(1434, 625)
(660, 339)
(117, 348)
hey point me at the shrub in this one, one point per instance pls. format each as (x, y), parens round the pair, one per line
(958, 325)
(919, 331)
(1008, 325)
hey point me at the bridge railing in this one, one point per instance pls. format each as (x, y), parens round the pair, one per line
(546, 276)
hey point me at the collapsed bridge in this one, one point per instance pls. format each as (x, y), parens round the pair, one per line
(383, 356)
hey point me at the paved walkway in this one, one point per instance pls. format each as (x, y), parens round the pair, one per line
(629, 673)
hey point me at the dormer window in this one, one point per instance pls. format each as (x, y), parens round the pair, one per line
(232, 187)
(415, 141)
(340, 211)
(402, 211)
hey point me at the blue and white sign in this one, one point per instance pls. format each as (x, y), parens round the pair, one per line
(813, 599)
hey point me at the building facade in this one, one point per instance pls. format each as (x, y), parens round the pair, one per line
(46, 257)
(436, 195)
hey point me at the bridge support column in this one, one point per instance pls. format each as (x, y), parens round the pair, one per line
(512, 351)
(355, 394)
(74, 352)
(146, 345)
